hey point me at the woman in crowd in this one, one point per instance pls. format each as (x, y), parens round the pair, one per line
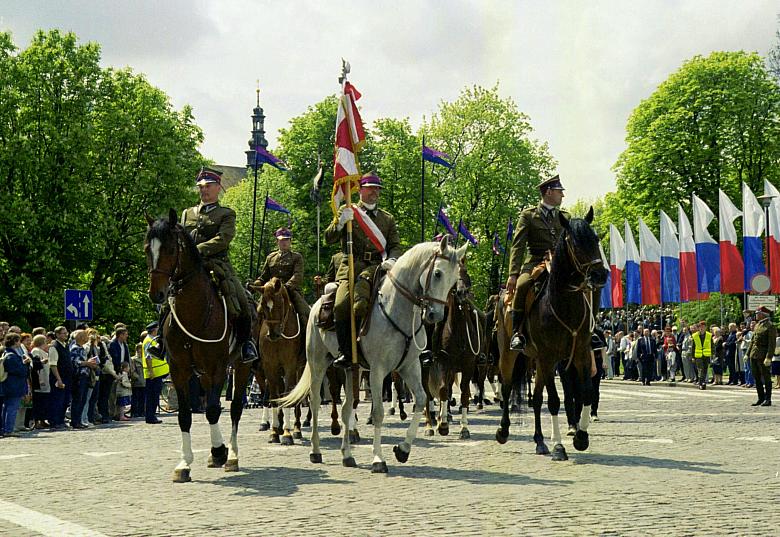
(670, 352)
(718, 353)
(687, 355)
(14, 387)
(84, 367)
(40, 381)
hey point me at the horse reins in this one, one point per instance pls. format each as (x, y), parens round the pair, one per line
(283, 321)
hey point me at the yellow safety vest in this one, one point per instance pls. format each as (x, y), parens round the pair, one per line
(159, 367)
(699, 350)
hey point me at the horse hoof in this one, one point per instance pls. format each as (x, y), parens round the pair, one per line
(502, 436)
(400, 455)
(402, 415)
(479, 406)
(287, 440)
(465, 434)
(315, 458)
(541, 449)
(264, 426)
(349, 462)
(559, 453)
(429, 432)
(444, 429)
(307, 423)
(274, 439)
(182, 476)
(572, 431)
(354, 436)
(231, 465)
(391, 412)
(218, 457)
(297, 435)
(581, 441)
(335, 430)
(379, 468)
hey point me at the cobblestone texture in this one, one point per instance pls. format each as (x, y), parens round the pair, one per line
(662, 461)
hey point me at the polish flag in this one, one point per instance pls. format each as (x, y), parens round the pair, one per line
(707, 254)
(752, 228)
(649, 265)
(774, 235)
(350, 139)
(670, 260)
(633, 278)
(617, 262)
(605, 297)
(732, 269)
(688, 286)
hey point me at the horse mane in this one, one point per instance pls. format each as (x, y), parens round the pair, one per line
(420, 254)
(578, 229)
(163, 230)
(268, 288)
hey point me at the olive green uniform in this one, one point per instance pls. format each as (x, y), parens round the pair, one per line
(335, 262)
(537, 232)
(366, 258)
(288, 267)
(761, 347)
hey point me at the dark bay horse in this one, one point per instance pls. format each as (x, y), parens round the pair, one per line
(281, 345)
(198, 336)
(559, 328)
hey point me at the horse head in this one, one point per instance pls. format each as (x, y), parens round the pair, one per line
(170, 255)
(582, 247)
(274, 307)
(437, 279)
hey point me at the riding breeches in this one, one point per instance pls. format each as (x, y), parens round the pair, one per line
(362, 295)
(300, 304)
(524, 283)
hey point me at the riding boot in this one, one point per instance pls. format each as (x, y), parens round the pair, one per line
(343, 333)
(426, 356)
(243, 332)
(518, 339)
(768, 396)
(761, 395)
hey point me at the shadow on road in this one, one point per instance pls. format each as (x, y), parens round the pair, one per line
(472, 476)
(636, 461)
(275, 481)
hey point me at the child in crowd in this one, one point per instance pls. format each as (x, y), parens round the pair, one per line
(124, 390)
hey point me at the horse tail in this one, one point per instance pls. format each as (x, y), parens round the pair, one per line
(300, 391)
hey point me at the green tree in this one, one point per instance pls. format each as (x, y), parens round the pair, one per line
(84, 151)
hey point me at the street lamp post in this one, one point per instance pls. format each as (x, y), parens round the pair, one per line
(766, 201)
(258, 139)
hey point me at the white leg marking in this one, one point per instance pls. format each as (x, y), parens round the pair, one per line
(585, 418)
(216, 436)
(287, 419)
(233, 445)
(464, 418)
(186, 452)
(556, 430)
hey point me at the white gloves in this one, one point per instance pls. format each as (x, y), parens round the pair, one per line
(388, 263)
(345, 216)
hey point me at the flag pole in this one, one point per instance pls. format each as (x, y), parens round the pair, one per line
(262, 234)
(254, 210)
(422, 192)
(436, 224)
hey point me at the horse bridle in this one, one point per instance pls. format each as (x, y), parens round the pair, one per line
(425, 299)
(582, 268)
(175, 285)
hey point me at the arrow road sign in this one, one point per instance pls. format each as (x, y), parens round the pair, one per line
(78, 305)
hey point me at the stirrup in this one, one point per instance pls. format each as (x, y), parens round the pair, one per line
(249, 352)
(517, 343)
(426, 357)
(342, 361)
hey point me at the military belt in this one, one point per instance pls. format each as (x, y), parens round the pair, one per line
(370, 257)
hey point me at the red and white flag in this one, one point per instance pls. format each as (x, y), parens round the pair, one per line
(350, 139)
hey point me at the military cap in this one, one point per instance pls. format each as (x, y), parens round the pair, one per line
(209, 175)
(553, 183)
(283, 233)
(370, 179)
(152, 325)
(764, 309)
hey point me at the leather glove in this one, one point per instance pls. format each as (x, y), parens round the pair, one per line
(767, 362)
(345, 216)
(388, 263)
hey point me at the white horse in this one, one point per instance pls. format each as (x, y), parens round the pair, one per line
(415, 290)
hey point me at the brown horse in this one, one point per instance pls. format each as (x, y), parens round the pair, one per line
(198, 335)
(281, 346)
(559, 327)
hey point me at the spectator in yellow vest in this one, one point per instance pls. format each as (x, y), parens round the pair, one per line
(702, 352)
(154, 370)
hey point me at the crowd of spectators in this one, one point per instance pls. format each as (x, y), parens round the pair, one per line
(52, 378)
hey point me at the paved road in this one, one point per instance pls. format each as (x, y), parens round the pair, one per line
(662, 461)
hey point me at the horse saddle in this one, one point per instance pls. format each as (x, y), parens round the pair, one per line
(325, 319)
(539, 278)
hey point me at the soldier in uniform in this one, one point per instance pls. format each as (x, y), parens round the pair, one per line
(760, 351)
(213, 226)
(366, 258)
(538, 228)
(288, 267)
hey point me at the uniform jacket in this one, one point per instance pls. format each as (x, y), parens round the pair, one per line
(287, 266)
(534, 235)
(762, 345)
(365, 254)
(212, 227)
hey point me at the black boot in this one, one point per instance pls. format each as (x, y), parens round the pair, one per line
(768, 396)
(249, 352)
(761, 395)
(344, 359)
(426, 358)
(517, 342)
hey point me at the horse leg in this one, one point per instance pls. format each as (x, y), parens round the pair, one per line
(378, 465)
(347, 418)
(541, 448)
(240, 377)
(412, 376)
(465, 399)
(569, 387)
(181, 474)
(502, 434)
(290, 380)
(554, 405)
(585, 392)
(444, 401)
(318, 363)
(297, 435)
(219, 453)
(335, 383)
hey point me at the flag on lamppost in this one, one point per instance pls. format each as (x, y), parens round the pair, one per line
(605, 299)
(649, 265)
(273, 205)
(463, 230)
(437, 157)
(774, 235)
(444, 220)
(670, 261)
(732, 268)
(707, 251)
(497, 248)
(633, 274)
(265, 156)
(617, 263)
(752, 228)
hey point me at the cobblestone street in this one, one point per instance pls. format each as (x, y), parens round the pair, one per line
(662, 461)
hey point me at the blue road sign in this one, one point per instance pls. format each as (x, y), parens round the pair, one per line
(78, 305)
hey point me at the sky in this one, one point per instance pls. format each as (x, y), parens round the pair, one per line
(576, 68)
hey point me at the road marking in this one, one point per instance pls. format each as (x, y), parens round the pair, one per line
(657, 440)
(43, 523)
(611, 391)
(759, 439)
(18, 456)
(98, 454)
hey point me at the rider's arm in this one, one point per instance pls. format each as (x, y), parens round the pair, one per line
(519, 243)
(296, 280)
(393, 247)
(332, 232)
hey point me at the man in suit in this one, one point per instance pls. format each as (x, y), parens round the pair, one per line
(646, 352)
